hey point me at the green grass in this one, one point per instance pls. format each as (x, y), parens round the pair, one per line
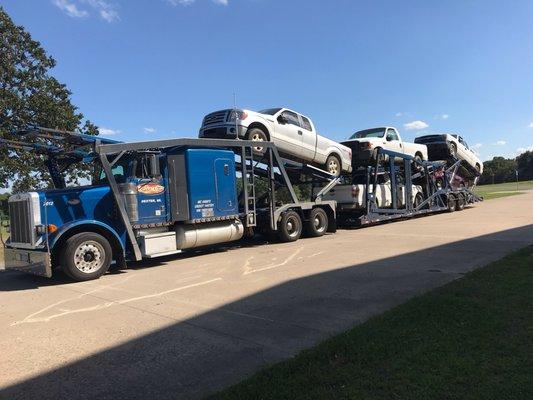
(470, 339)
(498, 190)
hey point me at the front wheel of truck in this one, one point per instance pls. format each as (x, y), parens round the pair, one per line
(86, 256)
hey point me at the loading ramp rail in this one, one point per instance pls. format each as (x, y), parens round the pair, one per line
(435, 178)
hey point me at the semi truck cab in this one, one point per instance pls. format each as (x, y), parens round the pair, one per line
(149, 199)
(174, 200)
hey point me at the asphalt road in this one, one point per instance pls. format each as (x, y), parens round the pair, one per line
(186, 326)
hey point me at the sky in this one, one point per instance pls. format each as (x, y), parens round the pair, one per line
(151, 69)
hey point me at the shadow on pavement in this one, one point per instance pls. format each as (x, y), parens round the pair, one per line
(220, 347)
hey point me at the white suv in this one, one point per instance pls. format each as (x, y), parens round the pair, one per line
(294, 135)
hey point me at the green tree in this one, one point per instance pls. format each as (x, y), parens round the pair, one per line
(29, 95)
(498, 170)
(525, 165)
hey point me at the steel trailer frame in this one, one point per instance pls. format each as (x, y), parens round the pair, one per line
(274, 165)
(436, 199)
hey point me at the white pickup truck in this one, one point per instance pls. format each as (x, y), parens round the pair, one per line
(351, 195)
(446, 145)
(294, 134)
(365, 144)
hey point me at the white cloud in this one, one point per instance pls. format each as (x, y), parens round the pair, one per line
(109, 15)
(415, 125)
(107, 131)
(71, 9)
(399, 114)
(149, 130)
(477, 145)
(521, 150)
(180, 2)
(107, 11)
(530, 126)
(445, 116)
(499, 143)
(189, 2)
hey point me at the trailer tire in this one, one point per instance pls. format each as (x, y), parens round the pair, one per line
(461, 202)
(452, 202)
(418, 200)
(86, 256)
(317, 225)
(290, 226)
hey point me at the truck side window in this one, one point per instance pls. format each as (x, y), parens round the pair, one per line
(306, 124)
(393, 133)
(118, 173)
(292, 118)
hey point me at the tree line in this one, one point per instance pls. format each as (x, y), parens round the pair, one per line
(500, 169)
(30, 95)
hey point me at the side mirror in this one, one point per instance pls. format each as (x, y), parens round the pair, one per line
(153, 166)
(389, 137)
(282, 119)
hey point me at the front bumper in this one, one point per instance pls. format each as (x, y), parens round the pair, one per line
(228, 131)
(30, 261)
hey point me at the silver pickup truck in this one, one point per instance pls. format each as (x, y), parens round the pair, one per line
(294, 134)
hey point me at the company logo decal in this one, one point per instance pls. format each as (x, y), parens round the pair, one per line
(150, 188)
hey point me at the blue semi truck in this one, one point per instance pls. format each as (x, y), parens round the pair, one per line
(150, 199)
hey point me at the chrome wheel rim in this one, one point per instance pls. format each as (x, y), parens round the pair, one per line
(292, 227)
(256, 137)
(319, 223)
(333, 167)
(89, 257)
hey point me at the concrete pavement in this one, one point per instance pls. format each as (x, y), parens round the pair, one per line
(185, 326)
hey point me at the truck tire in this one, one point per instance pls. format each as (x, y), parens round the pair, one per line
(453, 150)
(461, 202)
(333, 165)
(86, 256)
(317, 225)
(418, 200)
(290, 227)
(452, 202)
(257, 135)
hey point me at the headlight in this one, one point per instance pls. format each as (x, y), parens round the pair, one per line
(241, 115)
(42, 229)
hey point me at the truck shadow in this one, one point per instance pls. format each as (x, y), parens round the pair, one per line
(15, 280)
(221, 346)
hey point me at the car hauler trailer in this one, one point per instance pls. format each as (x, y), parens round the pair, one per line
(150, 199)
(434, 183)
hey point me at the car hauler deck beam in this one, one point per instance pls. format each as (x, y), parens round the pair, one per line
(246, 150)
(436, 179)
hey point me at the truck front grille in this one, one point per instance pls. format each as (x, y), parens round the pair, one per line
(215, 118)
(21, 221)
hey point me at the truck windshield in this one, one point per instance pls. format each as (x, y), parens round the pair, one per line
(369, 133)
(120, 172)
(270, 111)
